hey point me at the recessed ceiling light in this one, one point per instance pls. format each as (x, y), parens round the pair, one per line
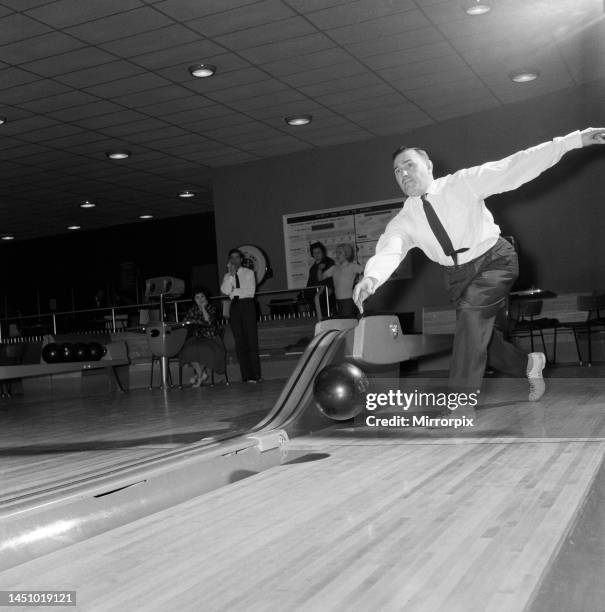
(87, 204)
(477, 9)
(299, 119)
(187, 194)
(8, 237)
(201, 71)
(2, 119)
(524, 76)
(145, 216)
(74, 227)
(123, 154)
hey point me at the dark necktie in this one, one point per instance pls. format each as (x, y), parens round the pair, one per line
(237, 286)
(439, 231)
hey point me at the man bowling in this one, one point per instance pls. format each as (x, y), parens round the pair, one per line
(447, 218)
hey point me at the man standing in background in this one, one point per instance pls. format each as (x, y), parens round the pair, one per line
(240, 285)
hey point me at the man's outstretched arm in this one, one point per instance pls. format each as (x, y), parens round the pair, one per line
(513, 171)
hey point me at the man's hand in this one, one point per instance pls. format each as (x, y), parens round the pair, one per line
(362, 290)
(231, 269)
(592, 136)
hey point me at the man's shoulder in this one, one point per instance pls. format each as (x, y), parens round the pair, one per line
(404, 213)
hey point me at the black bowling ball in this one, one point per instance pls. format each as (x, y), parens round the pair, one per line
(67, 352)
(96, 351)
(50, 353)
(81, 351)
(340, 391)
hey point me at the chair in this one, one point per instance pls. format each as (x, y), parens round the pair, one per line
(165, 339)
(155, 359)
(527, 325)
(592, 305)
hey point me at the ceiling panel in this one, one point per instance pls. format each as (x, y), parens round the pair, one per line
(284, 29)
(121, 87)
(101, 107)
(43, 88)
(151, 42)
(422, 37)
(309, 61)
(121, 25)
(242, 18)
(63, 100)
(40, 47)
(101, 121)
(288, 48)
(17, 27)
(186, 101)
(384, 26)
(434, 53)
(97, 75)
(257, 88)
(51, 132)
(280, 97)
(78, 78)
(65, 13)
(158, 94)
(69, 62)
(11, 77)
(190, 9)
(356, 12)
(319, 75)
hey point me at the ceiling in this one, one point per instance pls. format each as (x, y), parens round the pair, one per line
(82, 77)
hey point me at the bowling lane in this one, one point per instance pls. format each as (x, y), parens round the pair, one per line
(47, 442)
(438, 525)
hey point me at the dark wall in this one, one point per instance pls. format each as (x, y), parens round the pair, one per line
(558, 219)
(116, 259)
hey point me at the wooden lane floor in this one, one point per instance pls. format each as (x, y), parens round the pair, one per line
(357, 521)
(49, 441)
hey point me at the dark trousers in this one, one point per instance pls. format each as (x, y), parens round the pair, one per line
(242, 316)
(478, 289)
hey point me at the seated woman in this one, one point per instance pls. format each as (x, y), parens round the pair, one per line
(344, 274)
(204, 350)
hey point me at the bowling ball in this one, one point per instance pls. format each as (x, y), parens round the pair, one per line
(50, 353)
(81, 351)
(96, 351)
(340, 391)
(66, 351)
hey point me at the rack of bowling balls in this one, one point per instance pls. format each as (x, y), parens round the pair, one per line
(73, 351)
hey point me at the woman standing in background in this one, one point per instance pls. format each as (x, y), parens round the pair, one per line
(344, 274)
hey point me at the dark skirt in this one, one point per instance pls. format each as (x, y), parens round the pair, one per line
(208, 352)
(346, 308)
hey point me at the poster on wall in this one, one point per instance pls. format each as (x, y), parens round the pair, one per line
(360, 225)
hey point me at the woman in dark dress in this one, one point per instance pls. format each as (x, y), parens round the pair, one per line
(204, 350)
(321, 262)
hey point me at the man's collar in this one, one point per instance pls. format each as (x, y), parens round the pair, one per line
(433, 187)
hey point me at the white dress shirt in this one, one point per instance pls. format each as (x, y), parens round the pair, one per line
(458, 200)
(247, 284)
